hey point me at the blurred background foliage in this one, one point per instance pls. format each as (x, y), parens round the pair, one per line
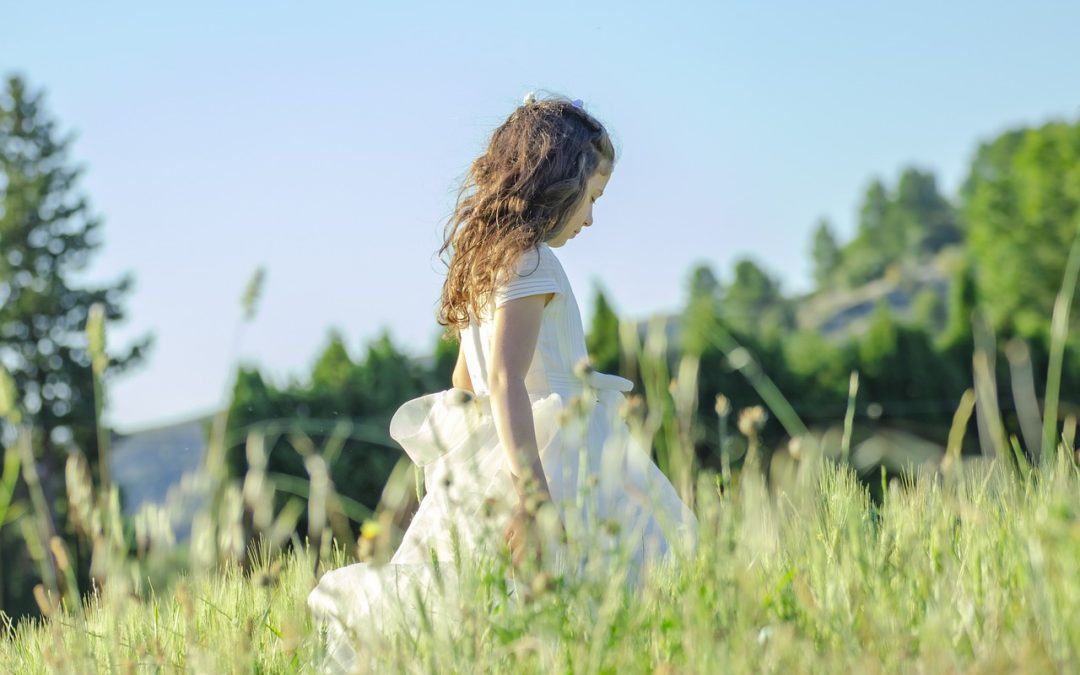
(894, 303)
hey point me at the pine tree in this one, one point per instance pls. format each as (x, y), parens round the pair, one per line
(702, 311)
(926, 218)
(753, 303)
(47, 233)
(603, 338)
(825, 253)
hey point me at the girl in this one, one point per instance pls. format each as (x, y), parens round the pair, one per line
(528, 437)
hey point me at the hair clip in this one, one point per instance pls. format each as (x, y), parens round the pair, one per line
(530, 98)
(577, 103)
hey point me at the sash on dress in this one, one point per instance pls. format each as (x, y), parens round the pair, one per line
(451, 421)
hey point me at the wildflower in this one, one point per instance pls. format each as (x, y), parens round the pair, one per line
(582, 369)
(795, 448)
(752, 420)
(370, 529)
(633, 406)
(723, 405)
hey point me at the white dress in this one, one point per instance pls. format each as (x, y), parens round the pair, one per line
(610, 495)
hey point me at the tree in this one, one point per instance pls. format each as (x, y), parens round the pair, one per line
(1022, 209)
(47, 233)
(334, 366)
(926, 219)
(753, 303)
(702, 311)
(912, 222)
(703, 282)
(825, 253)
(603, 338)
(346, 405)
(928, 311)
(878, 346)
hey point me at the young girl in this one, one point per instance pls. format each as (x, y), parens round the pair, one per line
(528, 436)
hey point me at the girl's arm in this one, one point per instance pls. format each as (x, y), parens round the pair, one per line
(460, 379)
(516, 329)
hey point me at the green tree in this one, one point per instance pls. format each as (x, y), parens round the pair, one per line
(603, 338)
(334, 367)
(703, 282)
(753, 304)
(345, 405)
(825, 253)
(929, 311)
(875, 244)
(1021, 206)
(702, 310)
(878, 345)
(912, 222)
(919, 211)
(48, 234)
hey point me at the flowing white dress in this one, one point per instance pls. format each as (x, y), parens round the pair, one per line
(609, 493)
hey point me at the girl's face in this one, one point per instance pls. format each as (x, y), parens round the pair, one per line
(582, 215)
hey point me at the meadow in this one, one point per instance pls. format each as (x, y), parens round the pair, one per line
(967, 564)
(972, 570)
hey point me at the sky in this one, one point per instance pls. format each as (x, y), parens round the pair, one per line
(325, 142)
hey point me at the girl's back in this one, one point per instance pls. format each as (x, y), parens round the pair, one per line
(561, 341)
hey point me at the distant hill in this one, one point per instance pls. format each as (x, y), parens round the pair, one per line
(844, 314)
(160, 465)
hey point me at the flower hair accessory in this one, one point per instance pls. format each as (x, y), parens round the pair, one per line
(530, 98)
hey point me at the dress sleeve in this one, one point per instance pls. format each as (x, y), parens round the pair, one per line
(535, 273)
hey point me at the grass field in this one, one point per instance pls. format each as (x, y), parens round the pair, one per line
(971, 570)
(971, 564)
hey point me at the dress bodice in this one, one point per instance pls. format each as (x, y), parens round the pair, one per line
(561, 342)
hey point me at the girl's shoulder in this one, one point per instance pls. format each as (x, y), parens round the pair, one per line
(536, 271)
(538, 261)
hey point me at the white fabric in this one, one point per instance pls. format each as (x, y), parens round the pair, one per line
(536, 272)
(620, 499)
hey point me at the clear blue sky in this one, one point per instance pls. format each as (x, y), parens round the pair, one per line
(325, 141)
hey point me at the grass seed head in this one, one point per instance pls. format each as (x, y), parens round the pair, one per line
(582, 369)
(722, 406)
(752, 420)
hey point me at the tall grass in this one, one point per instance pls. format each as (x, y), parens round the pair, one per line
(967, 566)
(980, 573)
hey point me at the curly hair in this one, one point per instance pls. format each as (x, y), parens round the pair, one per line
(516, 195)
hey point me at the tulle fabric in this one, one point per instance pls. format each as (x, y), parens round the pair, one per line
(612, 500)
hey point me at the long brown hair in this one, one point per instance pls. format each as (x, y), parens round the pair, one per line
(515, 196)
